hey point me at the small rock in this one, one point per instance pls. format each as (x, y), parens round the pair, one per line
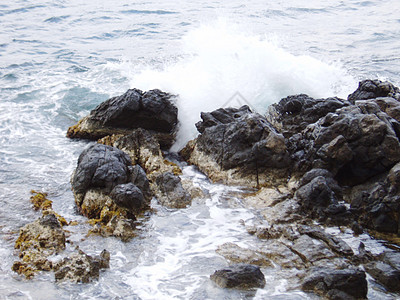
(171, 192)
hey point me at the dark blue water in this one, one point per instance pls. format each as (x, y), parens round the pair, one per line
(59, 59)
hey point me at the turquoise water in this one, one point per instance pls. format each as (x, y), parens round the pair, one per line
(59, 59)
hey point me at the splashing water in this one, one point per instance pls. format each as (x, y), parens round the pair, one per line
(223, 66)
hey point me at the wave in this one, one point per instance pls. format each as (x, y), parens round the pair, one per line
(222, 65)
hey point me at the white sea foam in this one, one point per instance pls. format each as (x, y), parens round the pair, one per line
(223, 65)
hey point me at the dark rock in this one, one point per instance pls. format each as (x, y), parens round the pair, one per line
(101, 166)
(355, 143)
(128, 196)
(369, 89)
(236, 144)
(139, 178)
(153, 110)
(377, 203)
(320, 197)
(171, 192)
(50, 220)
(294, 113)
(385, 274)
(241, 276)
(337, 284)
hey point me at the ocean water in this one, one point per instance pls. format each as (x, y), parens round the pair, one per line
(59, 59)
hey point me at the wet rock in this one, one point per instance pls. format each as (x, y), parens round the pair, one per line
(36, 242)
(369, 89)
(236, 254)
(334, 243)
(337, 284)
(241, 276)
(354, 143)
(100, 166)
(171, 192)
(385, 274)
(153, 110)
(128, 196)
(377, 202)
(319, 197)
(80, 267)
(294, 113)
(237, 146)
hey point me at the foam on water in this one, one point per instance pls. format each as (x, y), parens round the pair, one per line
(223, 65)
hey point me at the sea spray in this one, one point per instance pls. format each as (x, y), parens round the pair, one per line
(223, 66)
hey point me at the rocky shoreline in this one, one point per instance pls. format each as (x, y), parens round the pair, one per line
(313, 163)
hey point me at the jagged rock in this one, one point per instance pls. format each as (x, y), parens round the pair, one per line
(319, 197)
(385, 274)
(153, 110)
(236, 254)
(144, 150)
(80, 267)
(369, 89)
(241, 276)
(337, 284)
(377, 202)
(237, 146)
(354, 143)
(294, 113)
(171, 192)
(36, 242)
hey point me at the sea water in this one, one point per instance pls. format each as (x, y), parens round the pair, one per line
(59, 59)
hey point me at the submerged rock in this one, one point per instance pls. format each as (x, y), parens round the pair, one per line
(241, 276)
(171, 192)
(153, 110)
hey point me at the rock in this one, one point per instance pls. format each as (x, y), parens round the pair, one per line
(237, 146)
(319, 199)
(36, 242)
(153, 110)
(369, 89)
(336, 244)
(294, 113)
(171, 192)
(385, 274)
(128, 196)
(100, 166)
(80, 267)
(236, 254)
(337, 284)
(354, 143)
(377, 202)
(239, 276)
(139, 179)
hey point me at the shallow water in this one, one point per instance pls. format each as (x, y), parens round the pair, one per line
(59, 59)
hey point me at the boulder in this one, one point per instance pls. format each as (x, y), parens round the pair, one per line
(109, 190)
(370, 89)
(240, 276)
(337, 284)
(237, 146)
(153, 110)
